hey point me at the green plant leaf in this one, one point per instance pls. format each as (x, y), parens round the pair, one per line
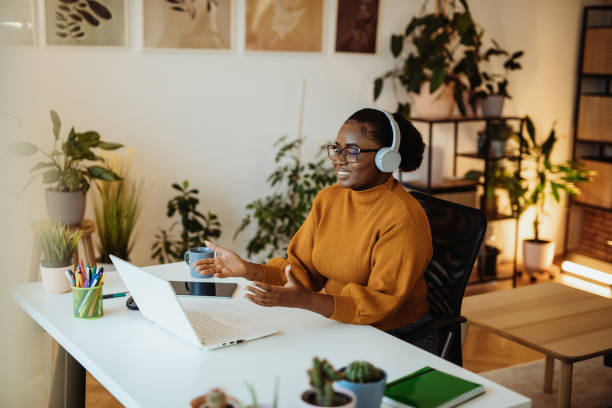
(40, 165)
(102, 173)
(548, 144)
(57, 124)
(378, 86)
(397, 44)
(530, 129)
(437, 79)
(51, 176)
(21, 149)
(109, 146)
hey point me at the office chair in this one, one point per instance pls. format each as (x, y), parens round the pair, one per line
(457, 232)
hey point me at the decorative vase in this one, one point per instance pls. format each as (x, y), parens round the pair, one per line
(53, 276)
(498, 148)
(492, 105)
(538, 255)
(67, 208)
(369, 395)
(440, 104)
(344, 398)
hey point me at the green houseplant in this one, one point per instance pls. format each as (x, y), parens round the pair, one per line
(196, 227)
(69, 169)
(498, 132)
(56, 243)
(444, 54)
(322, 376)
(539, 182)
(117, 211)
(215, 398)
(366, 381)
(497, 177)
(281, 214)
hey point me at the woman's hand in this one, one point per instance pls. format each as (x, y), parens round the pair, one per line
(293, 294)
(225, 264)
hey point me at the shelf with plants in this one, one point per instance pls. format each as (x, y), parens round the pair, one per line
(589, 216)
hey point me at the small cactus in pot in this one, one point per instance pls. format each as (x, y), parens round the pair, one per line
(362, 372)
(366, 381)
(322, 377)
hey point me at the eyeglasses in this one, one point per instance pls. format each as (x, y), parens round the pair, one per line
(350, 153)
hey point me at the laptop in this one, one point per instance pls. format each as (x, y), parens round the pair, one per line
(208, 325)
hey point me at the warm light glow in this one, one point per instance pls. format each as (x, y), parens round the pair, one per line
(12, 24)
(586, 286)
(587, 272)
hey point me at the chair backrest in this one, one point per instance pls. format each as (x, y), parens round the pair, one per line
(457, 232)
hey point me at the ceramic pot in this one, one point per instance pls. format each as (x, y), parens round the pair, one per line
(369, 395)
(440, 104)
(53, 277)
(307, 399)
(492, 105)
(67, 208)
(538, 255)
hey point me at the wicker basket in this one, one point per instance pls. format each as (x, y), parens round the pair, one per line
(595, 118)
(598, 191)
(598, 51)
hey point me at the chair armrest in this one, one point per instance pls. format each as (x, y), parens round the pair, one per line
(431, 327)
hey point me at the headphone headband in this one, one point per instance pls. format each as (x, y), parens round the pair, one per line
(395, 144)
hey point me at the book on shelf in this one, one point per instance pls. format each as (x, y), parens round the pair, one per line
(430, 388)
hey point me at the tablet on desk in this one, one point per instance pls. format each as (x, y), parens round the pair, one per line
(207, 289)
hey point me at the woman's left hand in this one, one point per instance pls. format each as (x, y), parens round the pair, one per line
(293, 294)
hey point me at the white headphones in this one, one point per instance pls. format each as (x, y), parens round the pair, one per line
(388, 159)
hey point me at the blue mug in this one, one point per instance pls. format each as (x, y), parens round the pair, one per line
(195, 254)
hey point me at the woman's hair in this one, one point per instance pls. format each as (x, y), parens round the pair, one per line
(376, 126)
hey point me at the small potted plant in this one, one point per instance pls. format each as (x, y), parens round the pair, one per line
(366, 382)
(57, 243)
(215, 398)
(498, 132)
(322, 394)
(69, 169)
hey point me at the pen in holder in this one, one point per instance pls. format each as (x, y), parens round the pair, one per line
(87, 302)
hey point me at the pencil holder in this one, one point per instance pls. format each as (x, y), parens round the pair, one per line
(87, 302)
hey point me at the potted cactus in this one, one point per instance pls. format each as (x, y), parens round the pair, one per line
(366, 382)
(322, 394)
(215, 398)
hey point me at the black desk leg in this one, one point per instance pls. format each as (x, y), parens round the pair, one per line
(68, 388)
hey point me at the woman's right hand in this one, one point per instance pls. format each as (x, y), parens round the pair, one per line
(225, 264)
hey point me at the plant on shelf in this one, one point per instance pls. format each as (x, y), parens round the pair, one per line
(366, 381)
(497, 176)
(281, 214)
(540, 181)
(196, 227)
(70, 168)
(322, 377)
(117, 210)
(57, 244)
(444, 53)
(497, 134)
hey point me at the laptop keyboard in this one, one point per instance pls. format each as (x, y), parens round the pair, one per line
(210, 329)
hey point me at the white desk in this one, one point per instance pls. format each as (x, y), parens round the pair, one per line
(144, 366)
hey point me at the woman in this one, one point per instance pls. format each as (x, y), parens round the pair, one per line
(359, 257)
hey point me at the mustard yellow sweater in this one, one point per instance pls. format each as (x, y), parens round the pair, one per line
(368, 249)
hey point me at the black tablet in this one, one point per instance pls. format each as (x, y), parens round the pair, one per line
(209, 289)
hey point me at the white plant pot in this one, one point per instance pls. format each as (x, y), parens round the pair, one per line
(54, 280)
(538, 255)
(492, 105)
(350, 404)
(440, 104)
(67, 208)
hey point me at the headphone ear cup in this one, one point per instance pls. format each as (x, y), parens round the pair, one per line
(387, 160)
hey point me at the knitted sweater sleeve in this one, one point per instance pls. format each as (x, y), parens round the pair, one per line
(398, 260)
(299, 256)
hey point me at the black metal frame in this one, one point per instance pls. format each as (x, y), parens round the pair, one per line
(428, 188)
(602, 145)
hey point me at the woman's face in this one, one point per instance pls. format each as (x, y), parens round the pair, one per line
(362, 174)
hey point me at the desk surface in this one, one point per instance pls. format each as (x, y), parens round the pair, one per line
(142, 365)
(560, 321)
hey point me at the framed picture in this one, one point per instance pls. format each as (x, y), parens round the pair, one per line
(85, 22)
(188, 24)
(284, 25)
(356, 26)
(16, 27)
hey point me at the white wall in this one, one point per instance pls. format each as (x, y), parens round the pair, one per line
(211, 117)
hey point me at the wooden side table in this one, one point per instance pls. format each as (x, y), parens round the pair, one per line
(87, 227)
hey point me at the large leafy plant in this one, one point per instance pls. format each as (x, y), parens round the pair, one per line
(494, 83)
(117, 211)
(195, 226)
(542, 179)
(69, 166)
(281, 214)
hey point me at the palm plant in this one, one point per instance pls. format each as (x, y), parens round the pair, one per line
(117, 211)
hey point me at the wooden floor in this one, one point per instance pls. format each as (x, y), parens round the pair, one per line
(482, 351)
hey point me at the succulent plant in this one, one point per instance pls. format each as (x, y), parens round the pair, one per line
(362, 372)
(322, 376)
(215, 398)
